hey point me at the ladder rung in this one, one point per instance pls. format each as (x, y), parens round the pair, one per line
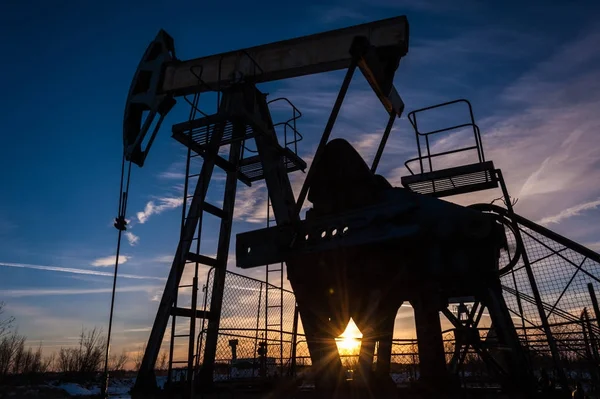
(181, 335)
(205, 260)
(186, 286)
(275, 270)
(185, 312)
(213, 210)
(194, 175)
(179, 361)
(273, 306)
(273, 325)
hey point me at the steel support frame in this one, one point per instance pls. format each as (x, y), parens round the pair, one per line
(534, 288)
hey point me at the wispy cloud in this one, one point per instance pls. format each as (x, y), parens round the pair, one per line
(171, 175)
(163, 259)
(337, 13)
(109, 260)
(570, 212)
(141, 329)
(545, 135)
(77, 271)
(132, 238)
(251, 204)
(30, 292)
(358, 11)
(152, 208)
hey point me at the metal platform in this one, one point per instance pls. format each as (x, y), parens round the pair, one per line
(452, 181)
(251, 167)
(201, 129)
(197, 133)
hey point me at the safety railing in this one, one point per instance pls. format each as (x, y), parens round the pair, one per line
(289, 129)
(289, 124)
(412, 117)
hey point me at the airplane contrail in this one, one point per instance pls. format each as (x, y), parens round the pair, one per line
(71, 291)
(78, 271)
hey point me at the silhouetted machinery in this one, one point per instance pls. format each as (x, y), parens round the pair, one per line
(364, 248)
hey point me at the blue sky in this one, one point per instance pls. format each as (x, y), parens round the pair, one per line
(531, 71)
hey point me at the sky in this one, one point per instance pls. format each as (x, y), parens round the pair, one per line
(531, 71)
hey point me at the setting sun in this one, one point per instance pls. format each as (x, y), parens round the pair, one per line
(348, 343)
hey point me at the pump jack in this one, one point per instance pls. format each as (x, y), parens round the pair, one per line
(364, 248)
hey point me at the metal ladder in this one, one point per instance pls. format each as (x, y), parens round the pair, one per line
(191, 229)
(274, 276)
(242, 114)
(274, 303)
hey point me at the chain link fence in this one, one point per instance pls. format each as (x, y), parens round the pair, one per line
(256, 331)
(566, 279)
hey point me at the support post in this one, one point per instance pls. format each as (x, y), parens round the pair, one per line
(514, 360)
(384, 350)
(192, 337)
(383, 142)
(596, 355)
(594, 299)
(432, 363)
(534, 288)
(326, 133)
(294, 343)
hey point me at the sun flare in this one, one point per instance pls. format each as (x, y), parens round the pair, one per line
(348, 343)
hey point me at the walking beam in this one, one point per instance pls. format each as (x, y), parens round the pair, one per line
(375, 47)
(306, 55)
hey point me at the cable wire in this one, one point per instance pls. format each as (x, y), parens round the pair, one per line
(120, 224)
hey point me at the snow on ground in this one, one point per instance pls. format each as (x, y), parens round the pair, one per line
(117, 389)
(74, 389)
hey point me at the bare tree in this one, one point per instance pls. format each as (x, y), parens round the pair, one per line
(139, 356)
(117, 362)
(85, 359)
(11, 348)
(6, 323)
(91, 346)
(49, 363)
(15, 358)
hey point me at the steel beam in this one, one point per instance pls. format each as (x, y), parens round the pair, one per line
(357, 227)
(306, 55)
